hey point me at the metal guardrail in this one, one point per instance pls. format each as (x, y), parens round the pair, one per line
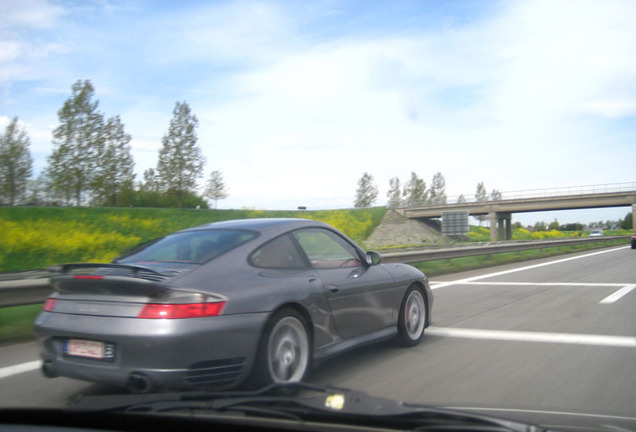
(24, 292)
(487, 249)
(23, 288)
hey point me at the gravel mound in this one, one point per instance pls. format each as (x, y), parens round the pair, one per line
(396, 230)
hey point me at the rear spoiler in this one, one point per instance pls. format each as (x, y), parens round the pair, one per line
(85, 278)
(135, 269)
(141, 281)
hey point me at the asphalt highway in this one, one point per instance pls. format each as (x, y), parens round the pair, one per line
(551, 334)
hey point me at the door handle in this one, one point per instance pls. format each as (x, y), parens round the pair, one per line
(333, 288)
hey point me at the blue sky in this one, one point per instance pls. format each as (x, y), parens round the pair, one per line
(297, 99)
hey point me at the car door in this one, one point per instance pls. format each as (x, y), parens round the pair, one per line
(359, 295)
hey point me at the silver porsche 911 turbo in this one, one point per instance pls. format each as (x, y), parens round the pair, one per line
(254, 301)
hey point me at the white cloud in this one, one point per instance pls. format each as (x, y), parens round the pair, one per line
(29, 13)
(560, 54)
(612, 109)
(9, 51)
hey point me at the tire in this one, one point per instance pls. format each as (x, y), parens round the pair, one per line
(285, 352)
(412, 319)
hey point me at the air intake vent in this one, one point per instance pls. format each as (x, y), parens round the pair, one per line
(215, 372)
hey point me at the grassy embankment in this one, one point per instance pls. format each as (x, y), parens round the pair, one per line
(38, 237)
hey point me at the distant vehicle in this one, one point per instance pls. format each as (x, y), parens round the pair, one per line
(596, 233)
(634, 241)
(213, 306)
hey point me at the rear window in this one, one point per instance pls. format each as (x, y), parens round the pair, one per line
(196, 247)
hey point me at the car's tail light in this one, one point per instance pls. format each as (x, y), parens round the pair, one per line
(87, 277)
(49, 305)
(180, 310)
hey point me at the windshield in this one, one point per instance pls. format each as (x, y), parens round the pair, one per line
(422, 200)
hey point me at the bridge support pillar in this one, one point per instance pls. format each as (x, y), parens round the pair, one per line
(500, 226)
(508, 226)
(634, 217)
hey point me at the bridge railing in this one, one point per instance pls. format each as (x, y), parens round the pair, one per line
(542, 193)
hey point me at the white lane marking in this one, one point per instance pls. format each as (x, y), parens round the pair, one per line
(19, 368)
(566, 284)
(522, 336)
(563, 413)
(474, 278)
(618, 294)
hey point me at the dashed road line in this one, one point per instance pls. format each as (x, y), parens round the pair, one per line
(612, 298)
(8, 371)
(618, 294)
(523, 336)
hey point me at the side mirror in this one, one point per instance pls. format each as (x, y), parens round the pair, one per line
(373, 258)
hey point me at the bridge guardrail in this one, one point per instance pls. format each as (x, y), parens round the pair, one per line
(23, 288)
(545, 193)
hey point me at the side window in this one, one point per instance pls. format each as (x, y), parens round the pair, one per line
(279, 253)
(326, 249)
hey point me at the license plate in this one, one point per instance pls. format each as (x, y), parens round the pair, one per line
(86, 348)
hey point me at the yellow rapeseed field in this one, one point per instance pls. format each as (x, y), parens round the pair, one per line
(35, 238)
(59, 241)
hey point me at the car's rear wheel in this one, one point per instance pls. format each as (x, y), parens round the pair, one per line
(412, 319)
(285, 352)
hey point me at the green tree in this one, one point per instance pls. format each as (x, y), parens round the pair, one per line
(16, 164)
(628, 222)
(180, 159)
(480, 196)
(151, 182)
(77, 144)
(437, 193)
(394, 194)
(37, 191)
(495, 195)
(216, 189)
(415, 193)
(367, 191)
(114, 177)
(576, 226)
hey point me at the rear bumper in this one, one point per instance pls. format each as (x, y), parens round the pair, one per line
(212, 352)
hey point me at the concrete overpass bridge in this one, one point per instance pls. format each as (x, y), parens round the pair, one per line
(500, 212)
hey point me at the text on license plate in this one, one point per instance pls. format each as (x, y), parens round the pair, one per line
(85, 348)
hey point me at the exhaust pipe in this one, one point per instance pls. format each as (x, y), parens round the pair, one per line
(138, 383)
(48, 370)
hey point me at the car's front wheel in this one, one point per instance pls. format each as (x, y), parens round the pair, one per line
(285, 353)
(412, 319)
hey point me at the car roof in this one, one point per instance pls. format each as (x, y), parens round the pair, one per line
(262, 224)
